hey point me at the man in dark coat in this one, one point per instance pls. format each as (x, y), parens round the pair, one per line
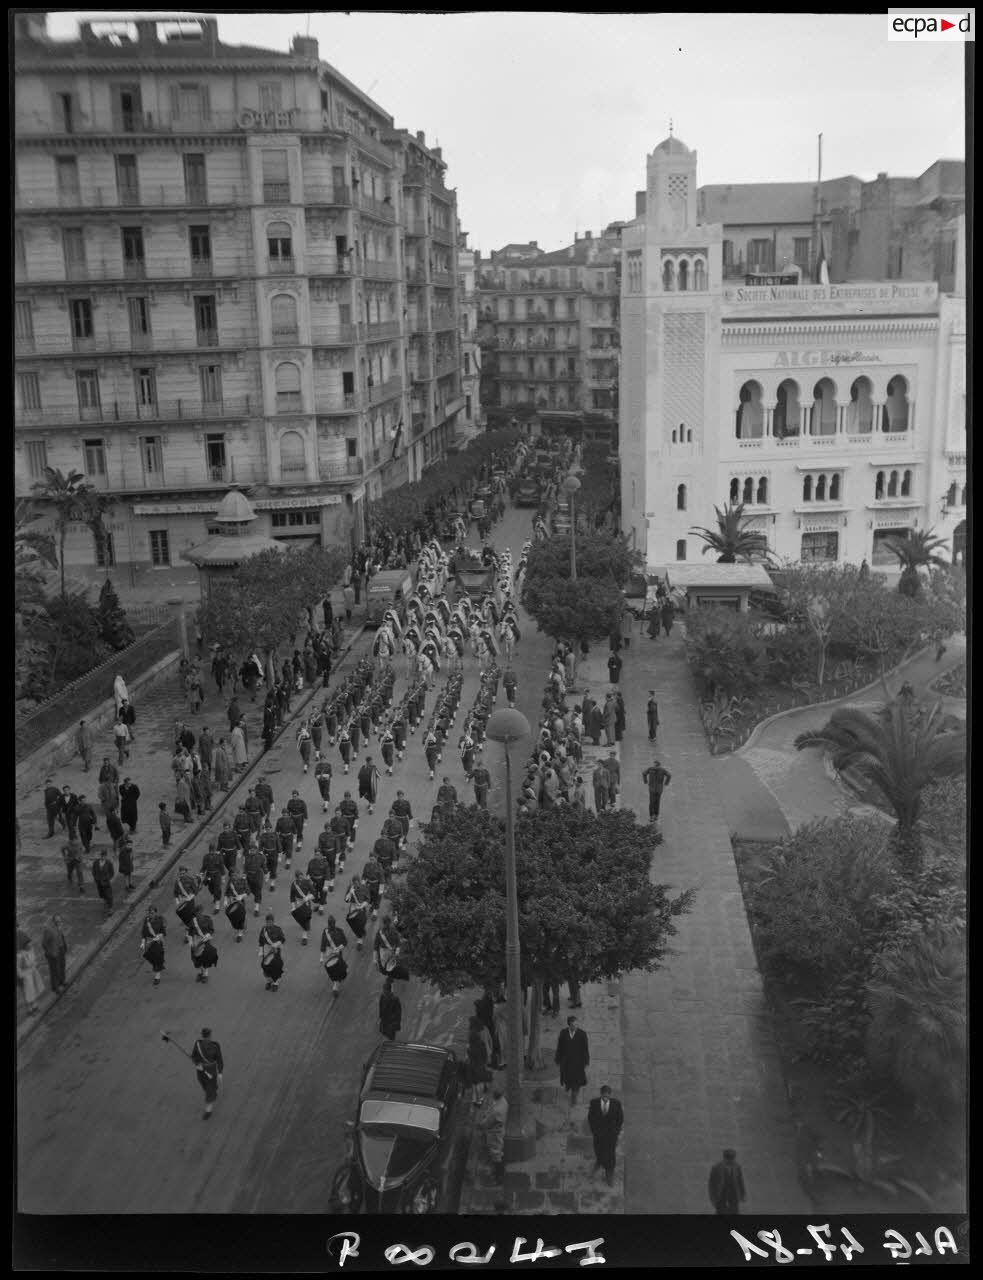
(207, 1057)
(52, 806)
(667, 613)
(390, 1011)
(605, 1117)
(657, 779)
(614, 667)
(368, 782)
(652, 714)
(726, 1184)
(86, 822)
(572, 1057)
(102, 873)
(129, 794)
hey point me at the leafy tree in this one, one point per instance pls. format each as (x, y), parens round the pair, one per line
(885, 625)
(819, 600)
(587, 609)
(587, 908)
(74, 500)
(899, 752)
(114, 629)
(604, 556)
(72, 638)
(733, 539)
(943, 598)
(725, 649)
(915, 550)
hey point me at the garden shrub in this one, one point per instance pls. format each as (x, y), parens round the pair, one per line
(725, 650)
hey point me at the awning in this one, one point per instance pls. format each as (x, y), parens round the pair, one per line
(260, 504)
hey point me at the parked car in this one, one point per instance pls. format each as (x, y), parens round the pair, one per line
(402, 1134)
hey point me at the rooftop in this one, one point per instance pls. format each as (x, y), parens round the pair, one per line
(716, 575)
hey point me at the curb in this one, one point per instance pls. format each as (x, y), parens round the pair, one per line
(169, 857)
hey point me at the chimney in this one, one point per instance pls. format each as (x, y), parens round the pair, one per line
(304, 46)
(639, 204)
(586, 235)
(534, 244)
(421, 137)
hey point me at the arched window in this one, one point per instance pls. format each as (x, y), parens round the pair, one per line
(279, 241)
(860, 410)
(668, 275)
(750, 414)
(787, 417)
(823, 417)
(896, 405)
(959, 543)
(283, 316)
(763, 489)
(962, 497)
(879, 485)
(892, 485)
(292, 461)
(689, 436)
(287, 381)
(674, 437)
(807, 489)
(683, 276)
(681, 497)
(681, 549)
(748, 495)
(820, 488)
(735, 490)
(834, 487)
(906, 485)
(699, 275)
(952, 495)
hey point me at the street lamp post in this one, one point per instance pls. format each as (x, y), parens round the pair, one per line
(507, 726)
(572, 485)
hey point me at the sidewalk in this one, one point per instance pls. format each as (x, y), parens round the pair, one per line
(40, 883)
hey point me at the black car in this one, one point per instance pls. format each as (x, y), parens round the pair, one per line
(402, 1136)
(527, 494)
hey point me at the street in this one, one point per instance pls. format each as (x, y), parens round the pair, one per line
(97, 1080)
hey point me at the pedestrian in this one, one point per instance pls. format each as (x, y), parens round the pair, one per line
(572, 1056)
(652, 714)
(121, 737)
(182, 797)
(237, 741)
(368, 782)
(52, 806)
(108, 772)
(234, 714)
(620, 717)
(726, 1184)
(124, 860)
(222, 766)
(301, 898)
(73, 853)
(305, 745)
(86, 822)
(610, 719)
(28, 978)
(54, 944)
(614, 777)
(164, 818)
(484, 1011)
(614, 667)
(348, 595)
(605, 1118)
(653, 626)
(271, 940)
(657, 779)
(152, 934)
(119, 692)
(667, 613)
(333, 942)
(129, 717)
(627, 624)
(492, 1123)
(207, 1057)
(129, 794)
(864, 570)
(102, 873)
(390, 1011)
(84, 744)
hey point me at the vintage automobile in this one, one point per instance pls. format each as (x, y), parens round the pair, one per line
(473, 578)
(402, 1137)
(445, 528)
(527, 494)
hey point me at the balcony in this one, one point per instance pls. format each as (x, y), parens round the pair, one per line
(443, 235)
(162, 343)
(167, 270)
(380, 269)
(341, 468)
(339, 335)
(184, 410)
(382, 329)
(320, 264)
(385, 391)
(443, 279)
(381, 209)
(148, 196)
(348, 403)
(281, 266)
(202, 268)
(135, 270)
(415, 226)
(447, 364)
(177, 478)
(285, 335)
(206, 338)
(416, 275)
(276, 192)
(331, 196)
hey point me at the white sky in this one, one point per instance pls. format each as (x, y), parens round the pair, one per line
(545, 119)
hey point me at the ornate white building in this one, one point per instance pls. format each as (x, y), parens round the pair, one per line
(836, 413)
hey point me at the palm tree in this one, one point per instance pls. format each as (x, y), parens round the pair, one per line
(917, 1000)
(913, 550)
(899, 751)
(732, 539)
(74, 500)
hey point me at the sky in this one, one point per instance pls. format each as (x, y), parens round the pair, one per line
(545, 119)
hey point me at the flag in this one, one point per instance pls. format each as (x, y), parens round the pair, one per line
(822, 270)
(396, 439)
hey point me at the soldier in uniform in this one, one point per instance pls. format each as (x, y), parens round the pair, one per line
(355, 731)
(254, 865)
(510, 683)
(207, 1057)
(271, 940)
(372, 879)
(368, 782)
(212, 867)
(319, 868)
(466, 747)
(402, 810)
(228, 847)
(333, 942)
(322, 776)
(398, 726)
(236, 892)
(482, 783)
(264, 794)
(186, 887)
(345, 747)
(340, 826)
(301, 897)
(447, 794)
(431, 749)
(254, 807)
(243, 827)
(349, 810)
(298, 811)
(392, 830)
(388, 747)
(204, 956)
(152, 935)
(384, 853)
(286, 831)
(358, 910)
(269, 847)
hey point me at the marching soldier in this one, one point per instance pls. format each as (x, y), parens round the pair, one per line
(203, 953)
(236, 892)
(301, 897)
(286, 832)
(305, 744)
(254, 866)
(431, 749)
(298, 811)
(152, 935)
(264, 794)
(510, 683)
(243, 827)
(253, 805)
(349, 810)
(388, 747)
(358, 910)
(392, 830)
(466, 746)
(345, 747)
(333, 942)
(271, 940)
(384, 853)
(368, 782)
(318, 870)
(482, 784)
(228, 847)
(322, 776)
(372, 879)
(401, 809)
(398, 726)
(212, 867)
(186, 888)
(355, 732)
(269, 847)
(207, 1057)
(447, 794)
(340, 826)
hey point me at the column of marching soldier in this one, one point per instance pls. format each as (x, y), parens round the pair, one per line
(246, 856)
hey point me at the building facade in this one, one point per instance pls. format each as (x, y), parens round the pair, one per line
(836, 413)
(470, 420)
(231, 269)
(551, 328)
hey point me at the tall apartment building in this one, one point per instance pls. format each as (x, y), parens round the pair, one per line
(231, 269)
(835, 412)
(470, 421)
(550, 329)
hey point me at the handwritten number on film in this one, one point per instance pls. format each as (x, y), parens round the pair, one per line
(894, 1242)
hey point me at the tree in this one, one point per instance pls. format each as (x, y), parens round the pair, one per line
(603, 556)
(587, 609)
(914, 550)
(899, 752)
(733, 539)
(74, 501)
(819, 599)
(725, 649)
(587, 908)
(886, 625)
(114, 629)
